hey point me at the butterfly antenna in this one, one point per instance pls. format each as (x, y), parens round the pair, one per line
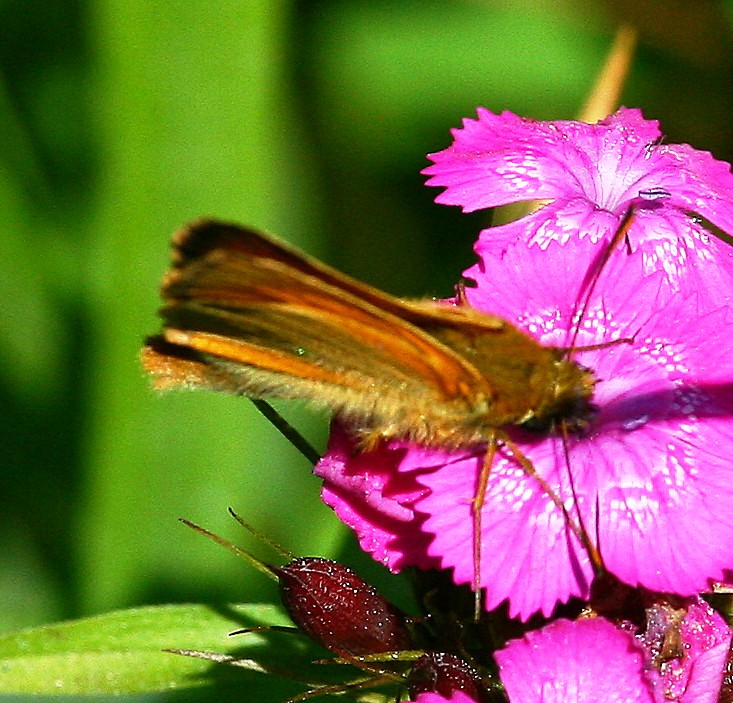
(581, 312)
(287, 430)
(578, 526)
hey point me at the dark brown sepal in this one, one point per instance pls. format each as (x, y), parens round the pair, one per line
(339, 610)
(444, 674)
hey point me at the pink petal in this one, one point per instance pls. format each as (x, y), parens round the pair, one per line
(591, 172)
(703, 184)
(528, 555)
(369, 495)
(556, 222)
(574, 662)
(457, 697)
(498, 159)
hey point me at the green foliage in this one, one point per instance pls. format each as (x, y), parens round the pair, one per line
(182, 651)
(123, 652)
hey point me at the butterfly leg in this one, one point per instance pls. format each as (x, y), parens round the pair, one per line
(477, 505)
(575, 526)
(479, 499)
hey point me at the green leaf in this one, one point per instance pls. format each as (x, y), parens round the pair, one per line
(123, 652)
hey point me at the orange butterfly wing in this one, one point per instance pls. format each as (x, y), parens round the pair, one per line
(248, 315)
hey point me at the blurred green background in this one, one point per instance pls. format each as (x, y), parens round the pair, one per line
(119, 121)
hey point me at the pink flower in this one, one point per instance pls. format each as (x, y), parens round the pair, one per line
(575, 662)
(592, 174)
(651, 472)
(689, 644)
(650, 478)
(456, 697)
(593, 659)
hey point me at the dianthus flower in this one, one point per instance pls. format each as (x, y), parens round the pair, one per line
(593, 659)
(648, 480)
(591, 174)
(575, 662)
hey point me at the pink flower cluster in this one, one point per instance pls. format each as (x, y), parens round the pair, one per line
(593, 660)
(649, 480)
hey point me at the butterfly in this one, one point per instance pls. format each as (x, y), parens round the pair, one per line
(246, 314)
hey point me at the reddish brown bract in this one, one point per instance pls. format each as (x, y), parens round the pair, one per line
(339, 610)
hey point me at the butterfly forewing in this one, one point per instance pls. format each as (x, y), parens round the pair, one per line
(267, 321)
